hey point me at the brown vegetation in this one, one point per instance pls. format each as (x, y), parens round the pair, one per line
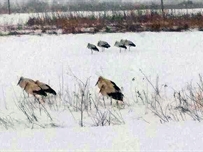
(115, 21)
(120, 22)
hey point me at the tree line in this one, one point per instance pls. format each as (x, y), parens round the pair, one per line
(34, 6)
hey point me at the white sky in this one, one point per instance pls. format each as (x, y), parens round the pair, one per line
(140, 1)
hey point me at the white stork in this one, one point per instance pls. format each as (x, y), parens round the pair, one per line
(31, 87)
(103, 45)
(120, 45)
(109, 88)
(128, 43)
(92, 47)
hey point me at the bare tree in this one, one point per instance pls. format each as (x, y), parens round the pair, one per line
(162, 8)
(9, 7)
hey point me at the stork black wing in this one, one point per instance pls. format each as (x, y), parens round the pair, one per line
(106, 45)
(95, 48)
(40, 92)
(132, 44)
(50, 90)
(123, 46)
(116, 95)
(115, 86)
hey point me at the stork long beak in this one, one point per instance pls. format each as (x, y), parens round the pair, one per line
(97, 83)
(18, 82)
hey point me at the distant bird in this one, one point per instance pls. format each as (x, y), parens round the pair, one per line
(92, 47)
(31, 87)
(109, 88)
(46, 88)
(103, 45)
(127, 43)
(120, 45)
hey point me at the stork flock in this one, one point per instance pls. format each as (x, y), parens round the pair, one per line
(39, 89)
(106, 87)
(122, 44)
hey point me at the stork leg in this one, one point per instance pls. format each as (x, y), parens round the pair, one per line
(40, 110)
(120, 50)
(91, 51)
(111, 102)
(24, 93)
(45, 110)
(104, 102)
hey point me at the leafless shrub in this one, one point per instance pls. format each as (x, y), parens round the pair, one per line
(103, 115)
(7, 122)
(184, 104)
(32, 109)
(190, 100)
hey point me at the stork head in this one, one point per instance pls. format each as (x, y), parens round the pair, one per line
(116, 43)
(37, 81)
(122, 41)
(99, 79)
(98, 43)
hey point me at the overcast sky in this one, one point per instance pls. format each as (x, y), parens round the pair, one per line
(139, 1)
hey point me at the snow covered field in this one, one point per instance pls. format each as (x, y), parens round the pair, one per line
(175, 57)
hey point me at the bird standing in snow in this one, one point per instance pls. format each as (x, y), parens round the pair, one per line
(31, 87)
(103, 45)
(127, 43)
(109, 88)
(35, 87)
(92, 47)
(120, 45)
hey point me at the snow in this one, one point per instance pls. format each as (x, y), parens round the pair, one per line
(137, 136)
(175, 57)
(176, 60)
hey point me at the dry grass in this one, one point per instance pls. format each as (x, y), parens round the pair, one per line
(118, 22)
(109, 22)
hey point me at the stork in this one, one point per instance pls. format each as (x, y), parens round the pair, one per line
(109, 88)
(31, 87)
(127, 43)
(92, 47)
(103, 45)
(120, 45)
(35, 87)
